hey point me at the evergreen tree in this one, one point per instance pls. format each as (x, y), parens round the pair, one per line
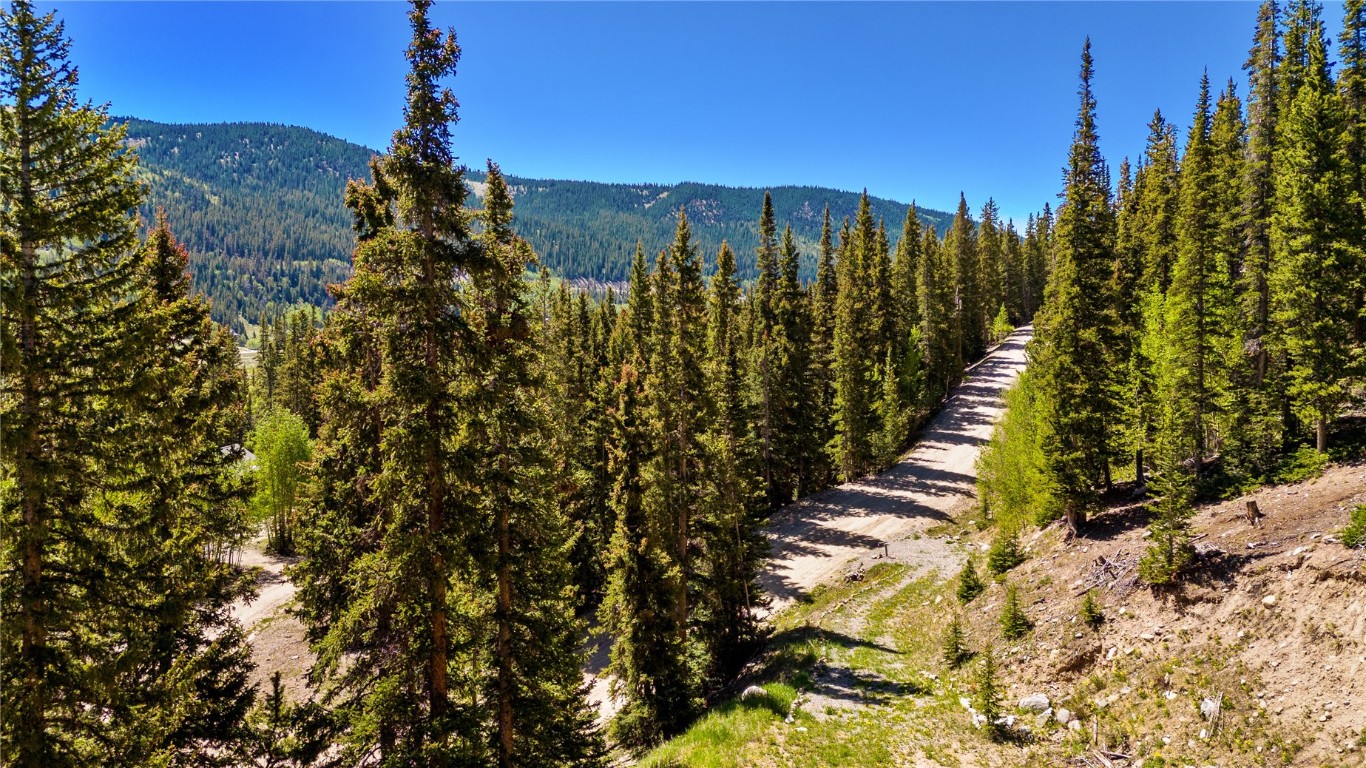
(936, 320)
(989, 696)
(823, 301)
(406, 628)
(1316, 262)
(954, 649)
(906, 282)
(969, 322)
(969, 583)
(1014, 623)
(1074, 375)
(768, 347)
(991, 268)
(541, 715)
(649, 666)
(1352, 86)
(117, 507)
(732, 544)
(855, 371)
(1198, 299)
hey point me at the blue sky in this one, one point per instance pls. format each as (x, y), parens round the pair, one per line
(910, 100)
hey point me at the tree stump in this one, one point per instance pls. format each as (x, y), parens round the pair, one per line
(1253, 514)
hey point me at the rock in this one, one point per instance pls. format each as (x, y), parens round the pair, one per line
(801, 729)
(1063, 715)
(1074, 725)
(789, 720)
(1035, 703)
(753, 692)
(1170, 695)
(1041, 720)
(1209, 708)
(966, 702)
(1269, 601)
(1147, 637)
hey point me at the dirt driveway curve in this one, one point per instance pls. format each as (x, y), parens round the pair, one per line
(814, 539)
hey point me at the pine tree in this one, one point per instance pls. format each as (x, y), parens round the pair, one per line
(989, 695)
(117, 513)
(969, 324)
(1352, 86)
(803, 451)
(1198, 299)
(649, 666)
(536, 689)
(854, 368)
(732, 543)
(954, 647)
(406, 624)
(1074, 375)
(969, 583)
(991, 268)
(937, 314)
(1014, 623)
(1316, 262)
(906, 282)
(824, 300)
(769, 346)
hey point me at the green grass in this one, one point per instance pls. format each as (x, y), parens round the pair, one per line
(724, 736)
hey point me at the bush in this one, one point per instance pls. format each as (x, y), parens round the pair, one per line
(1014, 623)
(1169, 548)
(1004, 553)
(1304, 464)
(1090, 613)
(955, 647)
(969, 585)
(1354, 535)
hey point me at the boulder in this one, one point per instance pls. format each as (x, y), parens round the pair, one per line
(753, 692)
(1063, 715)
(1035, 703)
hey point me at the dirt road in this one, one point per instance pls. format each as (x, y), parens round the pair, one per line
(815, 539)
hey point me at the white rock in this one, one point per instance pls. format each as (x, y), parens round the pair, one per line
(967, 703)
(1035, 703)
(1169, 695)
(753, 692)
(1043, 717)
(1074, 725)
(1063, 715)
(1269, 601)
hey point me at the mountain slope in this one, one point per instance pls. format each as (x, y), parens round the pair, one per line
(260, 208)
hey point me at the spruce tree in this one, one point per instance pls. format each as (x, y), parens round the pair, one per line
(854, 345)
(649, 660)
(969, 323)
(732, 545)
(1316, 261)
(1074, 374)
(536, 690)
(823, 302)
(1352, 86)
(405, 630)
(116, 505)
(1198, 298)
(937, 313)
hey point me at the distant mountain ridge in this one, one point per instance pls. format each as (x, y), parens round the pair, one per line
(259, 206)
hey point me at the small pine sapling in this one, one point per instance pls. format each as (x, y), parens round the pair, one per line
(1090, 613)
(989, 694)
(1014, 623)
(1004, 553)
(956, 651)
(969, 583)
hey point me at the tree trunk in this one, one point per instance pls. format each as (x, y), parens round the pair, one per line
(1321, 434)
(504, 641)
(1139, 479)
(1076, 518)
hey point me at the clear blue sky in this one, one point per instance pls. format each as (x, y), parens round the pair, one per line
(910, 100)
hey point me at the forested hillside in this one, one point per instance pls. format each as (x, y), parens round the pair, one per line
(259, 206)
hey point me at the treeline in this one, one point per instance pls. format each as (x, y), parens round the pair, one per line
(1207, 319)
(587, 229)
(259, 207)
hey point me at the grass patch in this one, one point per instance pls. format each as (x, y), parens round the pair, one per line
(729, 734)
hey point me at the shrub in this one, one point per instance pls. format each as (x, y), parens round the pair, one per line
(1014, 623)
(1004, 553)
(1354, 535)
(969, 584)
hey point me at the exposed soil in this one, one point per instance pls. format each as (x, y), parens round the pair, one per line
(815, 539)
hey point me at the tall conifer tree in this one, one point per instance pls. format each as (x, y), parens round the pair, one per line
(1074, 375)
